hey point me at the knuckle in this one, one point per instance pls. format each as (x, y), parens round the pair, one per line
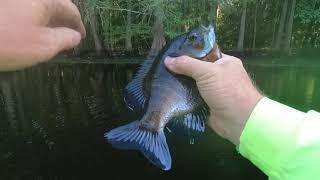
(183, 59)
(180, 61)
(238, 61)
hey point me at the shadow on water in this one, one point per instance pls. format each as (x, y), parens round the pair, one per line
(53, 118)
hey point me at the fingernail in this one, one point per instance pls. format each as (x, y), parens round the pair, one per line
(169, 60)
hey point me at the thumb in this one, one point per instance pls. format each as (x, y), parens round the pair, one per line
(60, 39)
(188, 66)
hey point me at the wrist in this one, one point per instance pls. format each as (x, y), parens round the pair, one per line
(230, 121)
(245, 109)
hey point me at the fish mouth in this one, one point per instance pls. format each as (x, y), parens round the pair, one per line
(213, 55)
(215, 52)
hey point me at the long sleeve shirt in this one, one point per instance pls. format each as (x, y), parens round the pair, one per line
(283, 142)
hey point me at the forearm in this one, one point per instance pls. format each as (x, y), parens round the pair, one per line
(281, 141)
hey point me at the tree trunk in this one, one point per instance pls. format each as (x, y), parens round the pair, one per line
(128, 27)
(217, 15)
(158, 34)
(94, 31)
(242, 27)
(213, 13)
(281, 25)
(274, 32)
(316, 37)
(289, 29)
(255, 27)
(110, 33)
(82, 9)
(313, 35)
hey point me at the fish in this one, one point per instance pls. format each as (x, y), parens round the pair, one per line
(164, 98)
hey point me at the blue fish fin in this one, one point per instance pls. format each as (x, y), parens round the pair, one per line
(135, 95)
(196, 121)
(191, 123)
(152, 144)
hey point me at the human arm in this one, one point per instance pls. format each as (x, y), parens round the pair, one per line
(268, 133)
(283, 142)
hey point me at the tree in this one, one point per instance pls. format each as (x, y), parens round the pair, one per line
(307, 24)
(128, 27)
(289, 28)
(158, 33)
(89, 12)
(281, 25)
(255, 27)
(93, 29)
(242, 27)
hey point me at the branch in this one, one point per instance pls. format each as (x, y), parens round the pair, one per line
(121, 9)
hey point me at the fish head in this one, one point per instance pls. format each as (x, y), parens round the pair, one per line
(200, 43)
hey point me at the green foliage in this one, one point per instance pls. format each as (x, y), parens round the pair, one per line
(308, 11)
(179, 16)
(307, 24)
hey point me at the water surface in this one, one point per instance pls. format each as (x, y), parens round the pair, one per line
(53, 118)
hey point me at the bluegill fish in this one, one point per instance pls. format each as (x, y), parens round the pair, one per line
(165, 98)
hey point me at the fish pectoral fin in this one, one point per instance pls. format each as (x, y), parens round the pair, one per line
(135, 96)
(153, 145)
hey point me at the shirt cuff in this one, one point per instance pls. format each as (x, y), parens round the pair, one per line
(269, 135)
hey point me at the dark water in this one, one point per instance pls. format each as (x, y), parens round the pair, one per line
(53, 118)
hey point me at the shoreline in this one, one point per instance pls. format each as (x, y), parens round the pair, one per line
(79, 60)
(261, 62)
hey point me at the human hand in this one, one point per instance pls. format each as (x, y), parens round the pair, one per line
(226, 88)
(34, 31)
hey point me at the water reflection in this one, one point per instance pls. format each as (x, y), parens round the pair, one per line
(53, 118)
(295, 86)
(49, 114)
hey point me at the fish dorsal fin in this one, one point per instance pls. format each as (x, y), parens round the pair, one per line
(194, 122)
(135, 96)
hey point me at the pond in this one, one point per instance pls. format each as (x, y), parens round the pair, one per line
(53, 118)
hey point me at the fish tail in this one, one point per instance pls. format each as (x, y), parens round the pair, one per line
(152, 144)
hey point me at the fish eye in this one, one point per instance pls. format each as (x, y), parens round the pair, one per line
(192, 37)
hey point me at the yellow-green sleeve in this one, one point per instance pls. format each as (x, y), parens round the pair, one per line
(283, 142)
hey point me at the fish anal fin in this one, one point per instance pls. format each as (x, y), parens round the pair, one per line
(194, 122)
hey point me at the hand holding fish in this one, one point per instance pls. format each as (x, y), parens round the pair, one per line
(33, 31)
(226, 88)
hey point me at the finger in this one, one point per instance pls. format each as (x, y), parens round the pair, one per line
(227, 58)
(35, 45)
(60, 39)
(67, 15)
(222, 60)
(50, 41)
(188, 66)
